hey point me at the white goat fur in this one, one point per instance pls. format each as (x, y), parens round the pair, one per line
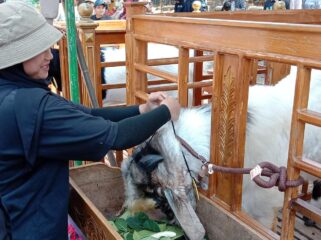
(267, 139)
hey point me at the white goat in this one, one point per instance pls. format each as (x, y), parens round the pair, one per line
(267, 139)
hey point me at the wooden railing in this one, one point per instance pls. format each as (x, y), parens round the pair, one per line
(237, 46)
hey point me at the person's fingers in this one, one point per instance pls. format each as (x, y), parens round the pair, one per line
(173, 106)
(157, 97)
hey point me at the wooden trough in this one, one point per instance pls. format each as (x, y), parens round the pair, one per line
(97, 194)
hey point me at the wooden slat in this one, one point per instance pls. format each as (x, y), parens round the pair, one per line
(111, 25)
(170, 87)
(309, 166)
(113, 64)
(301, 231)
(140, 77)
(158, 73)
(175, 87)
(246, 219)
(101, 229)
(228, 125)
(166, 61)
(249, 53)
(307, 210)
(301, 99)
(197, 76)
(141, 95)
(309, 116)
(275, 36)
(206, 83)
(288, 16)
(110, 37)
(183, 70)
(206, 77)
(113, 86)
(158, 81)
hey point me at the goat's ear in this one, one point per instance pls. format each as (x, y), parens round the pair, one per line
(150, 161)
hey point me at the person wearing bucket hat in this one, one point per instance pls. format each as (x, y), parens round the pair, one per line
(41, 131)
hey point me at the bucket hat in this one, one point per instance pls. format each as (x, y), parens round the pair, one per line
(24, 33)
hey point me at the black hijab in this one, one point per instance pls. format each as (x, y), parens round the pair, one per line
(16, 75)
(31, 96)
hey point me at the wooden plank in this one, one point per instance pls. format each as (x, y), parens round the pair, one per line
(110, 37)
(156, 72)
(308, 166)
(108, 25)
(171, 87)
(222, 224)
(288, 16)
(273, 38)
(301, 98)
(165, 61)
(182, 79)
(141, 95)
(197, 76)
(229, 106)
(307, 210)
(140, 76)
(113, 86)
(113, 64)
(91, 206)
(301, 231)
(309, 116)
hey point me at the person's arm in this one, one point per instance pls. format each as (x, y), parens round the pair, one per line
(116, 114)
(70, 131)
(133, 131)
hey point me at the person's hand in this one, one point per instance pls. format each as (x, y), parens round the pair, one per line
(153, 101)
(173, 106)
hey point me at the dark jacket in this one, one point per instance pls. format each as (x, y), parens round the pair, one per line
(183, 6)
(40, 133)
(268, 5)
(236, 4)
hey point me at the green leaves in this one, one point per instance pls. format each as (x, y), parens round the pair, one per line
(151, 225)
(121, 225)
(140, 227)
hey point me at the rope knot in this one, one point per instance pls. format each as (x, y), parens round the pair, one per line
(276, 177)
(282, 179)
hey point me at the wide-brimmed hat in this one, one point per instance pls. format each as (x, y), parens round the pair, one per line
(24, 33)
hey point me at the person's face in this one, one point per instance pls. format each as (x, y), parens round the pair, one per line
(100, 11)
(38, 66)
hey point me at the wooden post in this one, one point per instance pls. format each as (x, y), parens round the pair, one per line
(183, 65)
(86, 31)
(197, 77)
(63, 57)
(229, 104)
(295, 148)
(131, 10)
